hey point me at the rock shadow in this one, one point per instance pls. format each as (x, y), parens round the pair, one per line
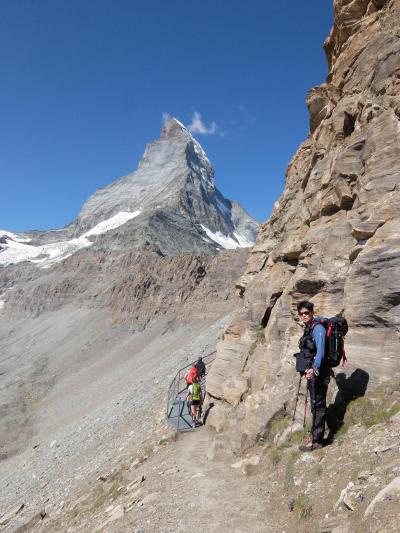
(207, 412)
(349, 388)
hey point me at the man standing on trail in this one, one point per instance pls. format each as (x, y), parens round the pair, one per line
(317, 373)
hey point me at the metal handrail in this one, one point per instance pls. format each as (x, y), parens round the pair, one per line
(191, 365)
(176, 388)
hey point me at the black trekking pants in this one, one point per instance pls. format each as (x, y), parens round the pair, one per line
(318, 388)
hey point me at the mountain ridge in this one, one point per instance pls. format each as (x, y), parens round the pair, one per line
(174, 180)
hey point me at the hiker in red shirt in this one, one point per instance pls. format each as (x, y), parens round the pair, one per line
(189, 378)
(193, 373)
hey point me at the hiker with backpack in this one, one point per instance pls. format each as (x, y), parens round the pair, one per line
(201, 367)
(193, 373)
(190, 376)
(321, 348)
(195, 396)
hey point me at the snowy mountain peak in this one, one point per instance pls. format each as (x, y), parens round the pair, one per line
(170, 201)
(174, 128)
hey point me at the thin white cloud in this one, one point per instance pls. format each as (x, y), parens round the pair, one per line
(198, 126)
(247, 117)
(165, 117)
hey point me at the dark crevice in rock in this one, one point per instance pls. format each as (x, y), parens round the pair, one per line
(311, 287)
(379, 4)
(393, 299)
(382, 321)
(317, 156)
(349, 178)
(266, 317)
(240, 290)
(292, 261)
(274, 298)
(214, 397)
(347, 203)
(306, 178)
(263, 263)
(348, 124)
(328, 211)
(358, 146)
(355, 253)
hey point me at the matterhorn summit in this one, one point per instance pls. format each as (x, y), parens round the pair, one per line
(170, 201)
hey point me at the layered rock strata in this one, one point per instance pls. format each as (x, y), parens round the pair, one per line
(333, 237)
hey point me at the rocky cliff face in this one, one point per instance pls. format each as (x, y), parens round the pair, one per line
(333, 236)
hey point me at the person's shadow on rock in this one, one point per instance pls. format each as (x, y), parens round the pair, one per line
(207, 412)
(349, 388)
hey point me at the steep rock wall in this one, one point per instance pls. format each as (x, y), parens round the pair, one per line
(333, 236)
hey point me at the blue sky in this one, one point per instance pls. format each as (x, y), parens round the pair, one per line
(84, 84)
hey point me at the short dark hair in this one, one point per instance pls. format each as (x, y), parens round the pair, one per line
(305, 305)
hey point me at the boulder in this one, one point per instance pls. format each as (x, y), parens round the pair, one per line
(221, 417)
(392, 490)
(234, 389)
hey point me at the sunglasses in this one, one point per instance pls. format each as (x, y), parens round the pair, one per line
(306, 313)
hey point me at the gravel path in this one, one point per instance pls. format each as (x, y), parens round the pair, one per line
(110, 403)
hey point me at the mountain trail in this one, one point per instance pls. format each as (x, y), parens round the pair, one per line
(174, 488)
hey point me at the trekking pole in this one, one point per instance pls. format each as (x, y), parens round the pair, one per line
(295, 408)
(305, 410)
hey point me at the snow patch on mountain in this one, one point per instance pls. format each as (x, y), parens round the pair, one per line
(117, 220)
(227, 242)
(13, 236)
(16, 250)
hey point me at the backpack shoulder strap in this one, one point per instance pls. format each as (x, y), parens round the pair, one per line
(315, 323)
(325, 323)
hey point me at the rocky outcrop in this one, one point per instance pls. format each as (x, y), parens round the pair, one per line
(333, 236)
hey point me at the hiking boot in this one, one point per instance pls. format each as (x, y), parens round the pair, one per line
(310, 446)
